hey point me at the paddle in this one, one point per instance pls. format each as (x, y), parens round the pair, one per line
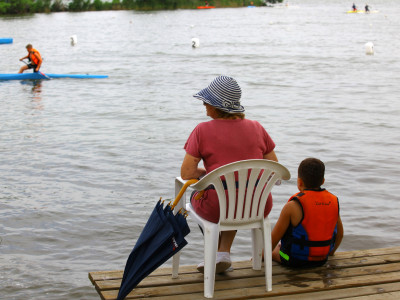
(41, 73)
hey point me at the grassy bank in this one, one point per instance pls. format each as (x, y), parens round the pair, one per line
(19, 7)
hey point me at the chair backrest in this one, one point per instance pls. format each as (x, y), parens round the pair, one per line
(248, 184)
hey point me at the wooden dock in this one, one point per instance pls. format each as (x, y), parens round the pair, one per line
(357, 275)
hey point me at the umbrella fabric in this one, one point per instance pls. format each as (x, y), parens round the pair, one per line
(182, 223)
(156, 230)
(171, 246)
(162, 237)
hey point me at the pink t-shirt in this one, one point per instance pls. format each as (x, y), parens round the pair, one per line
(219, 142)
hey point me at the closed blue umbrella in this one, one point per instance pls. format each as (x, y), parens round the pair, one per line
(161, 238)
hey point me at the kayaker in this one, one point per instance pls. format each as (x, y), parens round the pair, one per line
(354, 7)
(35, 60)
(366, 8)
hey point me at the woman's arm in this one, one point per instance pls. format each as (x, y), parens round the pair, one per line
(190, 169)
(271, 156)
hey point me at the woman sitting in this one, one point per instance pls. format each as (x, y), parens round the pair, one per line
(227, 138)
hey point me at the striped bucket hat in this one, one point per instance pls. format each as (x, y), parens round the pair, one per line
(223, 93)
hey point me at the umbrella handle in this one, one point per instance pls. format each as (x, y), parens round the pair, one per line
(182, 191)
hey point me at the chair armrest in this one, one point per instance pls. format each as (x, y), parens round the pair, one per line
(181, 186)
(179, 179)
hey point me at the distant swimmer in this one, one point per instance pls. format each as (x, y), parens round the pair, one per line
(354, 7)
(366, 8)
(35, 59)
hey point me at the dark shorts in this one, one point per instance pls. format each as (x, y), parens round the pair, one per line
(297, 263)
(32, 66)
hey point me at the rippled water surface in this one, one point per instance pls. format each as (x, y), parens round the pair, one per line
(83, 162)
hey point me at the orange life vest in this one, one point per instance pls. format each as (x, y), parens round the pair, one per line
(314, 237)
(32, 56)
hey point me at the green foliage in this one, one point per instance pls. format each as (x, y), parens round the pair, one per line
(79, 5)
(39, 6)
(98, 5)
(116, 5)
(58, 5)
(19, 6)
(4, 7)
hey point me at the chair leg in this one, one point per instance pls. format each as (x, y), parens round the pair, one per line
(267, 254)
(257, 248)
(211, 234)
(176, 257)
(175, 265)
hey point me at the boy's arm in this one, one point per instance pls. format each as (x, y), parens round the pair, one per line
(283, 223)
(339, 236)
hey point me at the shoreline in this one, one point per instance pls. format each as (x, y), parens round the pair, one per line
(13, 9)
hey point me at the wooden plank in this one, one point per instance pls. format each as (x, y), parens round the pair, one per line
(345, 293)
(282, 286)
(288, 289)
(320, 275)
(366, 252)
(117, 274)
(184, 269)
(383, 296)
(246, 273)
(390, 289)
(350, 274)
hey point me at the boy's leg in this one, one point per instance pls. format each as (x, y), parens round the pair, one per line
(23, 68)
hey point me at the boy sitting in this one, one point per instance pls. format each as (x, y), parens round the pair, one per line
(309, 226)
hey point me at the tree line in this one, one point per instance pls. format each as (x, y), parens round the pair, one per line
(19, 7)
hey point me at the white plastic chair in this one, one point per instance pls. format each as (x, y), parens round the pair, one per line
(250, 182)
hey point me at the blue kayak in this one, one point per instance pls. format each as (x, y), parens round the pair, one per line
(36, 76)
(6, 40)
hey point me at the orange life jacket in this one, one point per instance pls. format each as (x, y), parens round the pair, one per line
(33, 58)
(314, 237)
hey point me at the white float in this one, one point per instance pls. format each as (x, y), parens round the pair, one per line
(369, 48)
(74, 40)
(195, 42)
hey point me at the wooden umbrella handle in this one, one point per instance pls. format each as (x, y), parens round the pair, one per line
(182, 191)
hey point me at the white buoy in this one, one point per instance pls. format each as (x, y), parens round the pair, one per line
(369, 48)
(195, 42)
(74, 40)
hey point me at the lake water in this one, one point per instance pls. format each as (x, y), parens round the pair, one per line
(83, 162)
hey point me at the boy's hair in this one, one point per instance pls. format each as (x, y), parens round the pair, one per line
(312, 171)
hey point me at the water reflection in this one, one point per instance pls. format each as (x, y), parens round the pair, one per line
(36, 91)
